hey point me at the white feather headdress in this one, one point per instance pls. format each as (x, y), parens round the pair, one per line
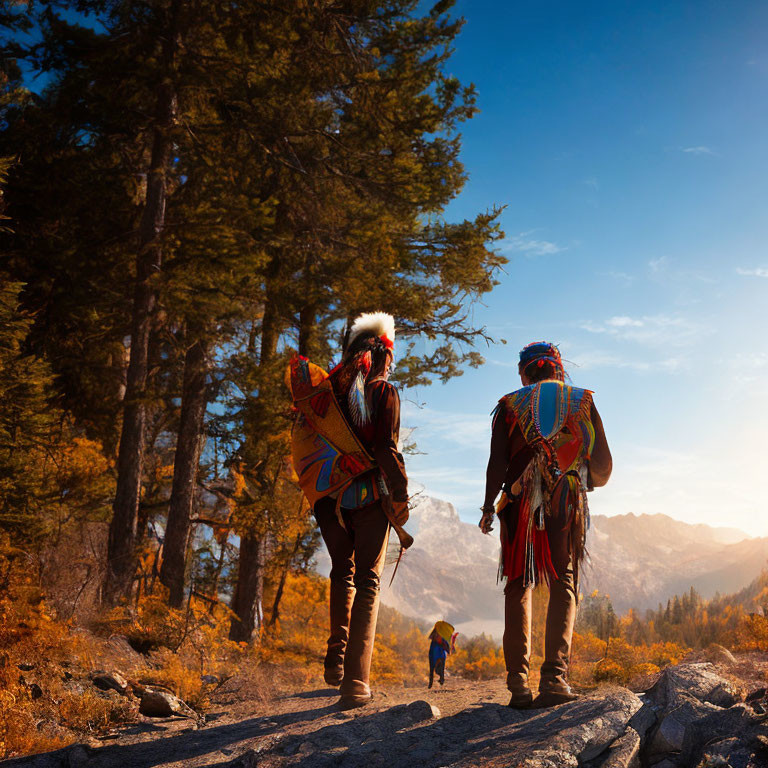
(378, 323)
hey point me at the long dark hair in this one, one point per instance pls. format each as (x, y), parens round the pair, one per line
(380, 355)
(540, 370)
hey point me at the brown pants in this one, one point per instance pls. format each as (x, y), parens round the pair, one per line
(357, 560)
(561, 614)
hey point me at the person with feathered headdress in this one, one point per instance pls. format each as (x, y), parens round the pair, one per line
(356, 494)
(548, 448)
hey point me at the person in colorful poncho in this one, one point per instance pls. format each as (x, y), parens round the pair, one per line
(354, 520)
(548, 448)
(442, 642)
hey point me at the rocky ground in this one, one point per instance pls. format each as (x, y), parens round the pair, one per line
(699, 714)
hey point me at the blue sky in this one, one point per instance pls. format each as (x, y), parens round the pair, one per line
(628, 142)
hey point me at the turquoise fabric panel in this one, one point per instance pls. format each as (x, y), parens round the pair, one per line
(358, 494)
(549, 406)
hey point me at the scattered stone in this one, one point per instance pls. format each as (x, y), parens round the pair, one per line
(699, 680)
(106, 681)
(719, 654)
(728, 752)
(624, 752)
(714, 762)
(670, 734)
(421, 710)
(109, 695)
(156, 703)
(127, 653)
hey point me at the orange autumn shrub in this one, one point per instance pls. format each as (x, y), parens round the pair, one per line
(183, 648)
(587, 647)
(40, 709)
(479, 658)
(752, 633)
(635, 665)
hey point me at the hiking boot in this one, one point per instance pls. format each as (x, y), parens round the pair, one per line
(333, 676)
(353, 701)
(553, 692)
(521, 694)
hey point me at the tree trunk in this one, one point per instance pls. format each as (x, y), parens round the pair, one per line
(307, 331)
(121, 551)
(217, 573)
(274, 617)
(249, 592)
(185, 466)
(246, 602)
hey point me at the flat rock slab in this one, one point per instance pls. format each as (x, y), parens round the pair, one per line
(583, 729)
(624, 752)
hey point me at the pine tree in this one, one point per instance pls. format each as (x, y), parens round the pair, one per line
(677, 611)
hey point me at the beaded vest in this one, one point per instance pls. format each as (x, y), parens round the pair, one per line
(558, 414)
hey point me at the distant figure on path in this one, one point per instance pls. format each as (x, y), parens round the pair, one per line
(548, 448)
(344, 445)
(443, 640)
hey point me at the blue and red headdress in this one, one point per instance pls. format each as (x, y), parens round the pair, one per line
(539, 353)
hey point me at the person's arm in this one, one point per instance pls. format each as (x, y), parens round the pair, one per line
(601, 462)
(498, 460)
(385, 438)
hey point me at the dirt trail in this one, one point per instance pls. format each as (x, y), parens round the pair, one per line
(402, 726)
(695, 713)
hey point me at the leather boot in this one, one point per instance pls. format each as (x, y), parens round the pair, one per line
(561, 615)
(342, 594)
(351, 701)
(554, 691)
(521, 693)
(355, 690)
